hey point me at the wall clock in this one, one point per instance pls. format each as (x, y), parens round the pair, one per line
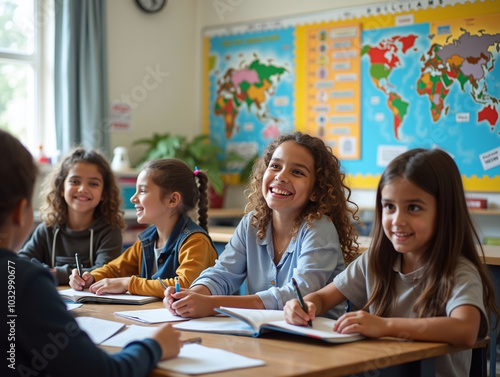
(151, 6)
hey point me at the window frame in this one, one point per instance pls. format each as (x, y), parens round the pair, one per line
(40, 60)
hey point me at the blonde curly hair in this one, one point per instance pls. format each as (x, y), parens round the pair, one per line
(332, 193)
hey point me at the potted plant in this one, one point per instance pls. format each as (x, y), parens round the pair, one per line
(195, 152)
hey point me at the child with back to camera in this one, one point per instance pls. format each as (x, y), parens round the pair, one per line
(81, 214)
(422, 277)
(47, 340)
(298, 225)
(174, 246)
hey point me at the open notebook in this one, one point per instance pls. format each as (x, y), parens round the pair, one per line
(253, 322)
(86, 296)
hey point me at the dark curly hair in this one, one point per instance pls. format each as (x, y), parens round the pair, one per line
(332, 193)
(54, 211)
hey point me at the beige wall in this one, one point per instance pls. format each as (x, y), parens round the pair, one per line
(151, 61)
(169, 43)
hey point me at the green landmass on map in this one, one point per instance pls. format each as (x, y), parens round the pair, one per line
(250, 85)
(384, 58)
(466, 60)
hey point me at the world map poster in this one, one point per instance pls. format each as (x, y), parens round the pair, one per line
(372, 84)
(432, 85)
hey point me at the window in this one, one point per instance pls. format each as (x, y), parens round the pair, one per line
(26, 73)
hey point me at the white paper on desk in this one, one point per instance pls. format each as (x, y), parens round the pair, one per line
(98, 329)
(151, 315)
(223, 324)
(130, 334)
(197, 359)
(71, 306)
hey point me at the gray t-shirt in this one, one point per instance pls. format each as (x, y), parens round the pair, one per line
(356, 283)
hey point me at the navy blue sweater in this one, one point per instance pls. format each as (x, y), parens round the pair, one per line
(40, 337)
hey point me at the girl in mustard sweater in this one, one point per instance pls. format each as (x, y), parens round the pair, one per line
(174, 246)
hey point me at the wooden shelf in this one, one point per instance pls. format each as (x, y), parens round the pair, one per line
(221, 233)
(487, 211)
(213, 213)
(220, 213)
(473, 211)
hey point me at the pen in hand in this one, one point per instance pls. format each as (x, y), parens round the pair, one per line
(301, 300)
(177, 286)
(78, 266)
(191, 340)
(162, 283)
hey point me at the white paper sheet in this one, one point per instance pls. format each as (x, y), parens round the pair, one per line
(71, 306)
(98, 329)
(192, 359)
(150, 315)
(131, 333)
(225, 325)
(197, 359)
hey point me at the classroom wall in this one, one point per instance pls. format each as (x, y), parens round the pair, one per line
(151, 65)
(170, 41)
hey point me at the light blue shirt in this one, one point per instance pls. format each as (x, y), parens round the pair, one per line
(313, 258)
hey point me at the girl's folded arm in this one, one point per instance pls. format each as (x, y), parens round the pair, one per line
(460, 329)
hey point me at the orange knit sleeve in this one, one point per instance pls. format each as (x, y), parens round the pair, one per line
(196, 254)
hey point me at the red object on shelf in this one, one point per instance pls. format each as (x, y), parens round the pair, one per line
(215, 200)
(476, 203)
(42, 159)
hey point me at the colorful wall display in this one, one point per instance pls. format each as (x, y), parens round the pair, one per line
(371, 81)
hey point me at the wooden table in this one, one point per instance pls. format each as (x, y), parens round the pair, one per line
(290, 355)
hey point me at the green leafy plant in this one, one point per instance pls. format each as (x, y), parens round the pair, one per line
(195, 152)
(247, 169)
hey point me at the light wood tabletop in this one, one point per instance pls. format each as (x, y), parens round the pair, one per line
(291, 355)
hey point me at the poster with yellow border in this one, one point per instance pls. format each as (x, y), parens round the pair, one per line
(371, 81)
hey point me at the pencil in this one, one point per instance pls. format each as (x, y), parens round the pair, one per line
(162, 283)
(191, 340)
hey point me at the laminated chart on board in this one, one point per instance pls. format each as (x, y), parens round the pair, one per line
(371, 81)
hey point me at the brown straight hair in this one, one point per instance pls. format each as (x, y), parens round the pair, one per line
(435, 172)
(174, 175)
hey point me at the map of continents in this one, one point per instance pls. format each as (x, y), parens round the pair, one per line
(248, 86)
(464, 60)
(384, 58)
(430, 85)
(250, 89)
